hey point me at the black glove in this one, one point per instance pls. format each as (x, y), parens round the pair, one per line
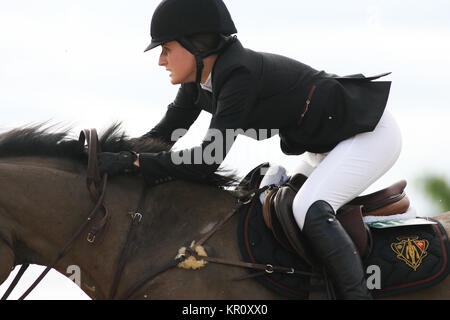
(115, 163)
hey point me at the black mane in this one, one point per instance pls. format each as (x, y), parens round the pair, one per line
(41, 141)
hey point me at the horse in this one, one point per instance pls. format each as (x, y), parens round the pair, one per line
(44, 200)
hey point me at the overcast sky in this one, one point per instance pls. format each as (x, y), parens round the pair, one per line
(81, 63)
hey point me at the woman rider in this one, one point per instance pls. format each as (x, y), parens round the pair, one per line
(340, 119)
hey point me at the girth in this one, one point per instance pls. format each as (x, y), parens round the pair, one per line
(279, 218)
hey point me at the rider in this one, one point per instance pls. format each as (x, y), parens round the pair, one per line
(341, 121)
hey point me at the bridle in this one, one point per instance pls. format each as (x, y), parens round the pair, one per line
(96, 186)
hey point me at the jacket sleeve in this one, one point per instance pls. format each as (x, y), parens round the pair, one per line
(198, 163)
(179, 117)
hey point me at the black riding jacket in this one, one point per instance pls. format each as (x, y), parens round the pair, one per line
(311, 110)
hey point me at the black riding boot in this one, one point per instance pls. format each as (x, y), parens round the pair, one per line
(336, 250)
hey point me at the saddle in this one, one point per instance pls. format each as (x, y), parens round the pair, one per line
(279, 218)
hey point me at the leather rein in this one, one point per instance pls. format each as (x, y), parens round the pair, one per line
(96, 186)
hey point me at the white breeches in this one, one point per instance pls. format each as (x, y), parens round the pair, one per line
(349, 169)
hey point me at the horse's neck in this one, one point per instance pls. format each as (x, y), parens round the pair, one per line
(43, 203)
(35, 202)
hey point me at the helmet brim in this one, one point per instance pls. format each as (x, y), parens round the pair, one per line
(153, 45)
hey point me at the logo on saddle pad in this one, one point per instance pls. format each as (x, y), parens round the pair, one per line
(410, 250)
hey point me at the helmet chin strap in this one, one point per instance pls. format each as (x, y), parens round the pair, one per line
(199, 56)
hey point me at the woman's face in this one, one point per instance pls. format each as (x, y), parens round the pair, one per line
(178, 61)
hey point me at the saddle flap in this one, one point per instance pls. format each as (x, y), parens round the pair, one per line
(289, 227)
(350, 217)
(272, 222)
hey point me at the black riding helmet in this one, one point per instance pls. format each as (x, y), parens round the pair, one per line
(180, 19)
(174, 19)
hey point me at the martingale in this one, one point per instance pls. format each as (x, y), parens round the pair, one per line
(407, 256)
